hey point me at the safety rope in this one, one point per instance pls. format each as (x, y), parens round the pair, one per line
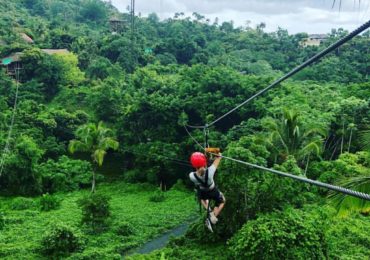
(294, 71)
(353, 193)
(7, 142)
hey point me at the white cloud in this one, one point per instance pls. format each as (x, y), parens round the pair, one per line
(312, 16)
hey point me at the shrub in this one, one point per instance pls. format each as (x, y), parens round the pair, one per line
(125, 229)
(158, 196)
(48, 202)
(291, 234)
(20, 177)
(22, 203)
(199, 233)
(64, 175)
(95, 210)
(60, 241)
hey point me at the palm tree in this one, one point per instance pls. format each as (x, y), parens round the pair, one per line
(347, 204)
(288, 137)
(95, 139)
(351, 127)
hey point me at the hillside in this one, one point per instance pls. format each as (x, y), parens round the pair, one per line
(100, 115)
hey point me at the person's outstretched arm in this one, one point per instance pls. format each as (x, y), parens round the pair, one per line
(216, 162)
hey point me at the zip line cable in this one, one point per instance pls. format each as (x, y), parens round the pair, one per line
(294, 71)
(7, 142)
(286, 76)
(353, 193)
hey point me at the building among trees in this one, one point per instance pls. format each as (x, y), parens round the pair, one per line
(314, 40)
(13, 62)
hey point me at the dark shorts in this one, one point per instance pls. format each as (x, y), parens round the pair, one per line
(214, 194)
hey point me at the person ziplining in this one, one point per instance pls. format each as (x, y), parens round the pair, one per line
(203, 178)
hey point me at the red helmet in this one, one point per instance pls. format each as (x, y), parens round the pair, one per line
(198, 160)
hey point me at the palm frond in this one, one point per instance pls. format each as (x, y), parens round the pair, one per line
(312, 147)
(346, 204)
(365, 139)
(77, 146)
(98, 156)
(108, 143)
(315, 131)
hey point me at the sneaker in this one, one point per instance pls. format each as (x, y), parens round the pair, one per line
(222, 196)
(213, 218)
(209, 225)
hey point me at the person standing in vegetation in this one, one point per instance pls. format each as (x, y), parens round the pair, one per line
(203, 178)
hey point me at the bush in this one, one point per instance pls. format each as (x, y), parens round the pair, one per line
(48, 202)
(158, 196)
(199, 233)
(22, 203)
(64, 175)
(20, 177)
(348, 238)
(291, 234)
(61, 241)
(125, 229)
(95, 210)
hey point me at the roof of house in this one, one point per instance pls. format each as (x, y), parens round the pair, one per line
(26, 38)
(115, 19)
(11, 58)
(14, 57)
(55, 51)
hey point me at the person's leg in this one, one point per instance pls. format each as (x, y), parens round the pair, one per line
(217, 210)
(221, 203)
(205, 203)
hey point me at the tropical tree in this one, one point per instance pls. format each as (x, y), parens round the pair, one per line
(95, 139)
(288, 136)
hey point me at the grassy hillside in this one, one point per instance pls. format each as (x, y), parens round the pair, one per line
(25, 224)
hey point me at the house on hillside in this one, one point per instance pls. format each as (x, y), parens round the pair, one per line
(116, 25)
(13, 62)
(26, 38)
(314, 40)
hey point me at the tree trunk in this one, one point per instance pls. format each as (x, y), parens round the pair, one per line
(341, 145)
(93, 183)
(350, 139)
(308, 161)
(335, 149)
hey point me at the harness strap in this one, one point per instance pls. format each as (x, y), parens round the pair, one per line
(203, 183)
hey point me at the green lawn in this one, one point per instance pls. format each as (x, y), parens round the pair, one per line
(20, 239)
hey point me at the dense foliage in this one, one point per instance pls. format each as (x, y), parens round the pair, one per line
(291, 235)
(109, 104)
(61, 241)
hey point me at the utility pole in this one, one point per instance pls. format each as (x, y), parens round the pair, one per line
(132, 18)
(133, 36)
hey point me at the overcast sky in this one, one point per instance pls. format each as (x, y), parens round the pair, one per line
(311, 16)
